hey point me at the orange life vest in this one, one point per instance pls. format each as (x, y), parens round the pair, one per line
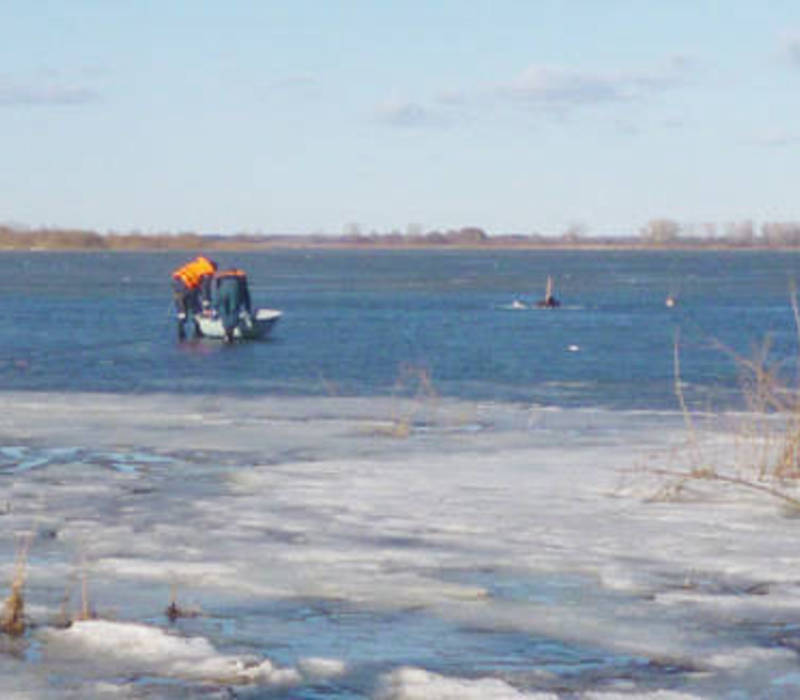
(192, 273)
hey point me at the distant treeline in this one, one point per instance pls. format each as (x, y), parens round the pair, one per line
(656, 234)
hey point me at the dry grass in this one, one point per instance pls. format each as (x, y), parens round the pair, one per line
(12, 621)
(416, 383)
(771, 432)
(85, 610)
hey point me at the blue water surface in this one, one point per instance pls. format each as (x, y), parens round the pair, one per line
(366, 323)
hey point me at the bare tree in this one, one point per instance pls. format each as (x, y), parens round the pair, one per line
(414, 229)
(740, 232)
(574, 232)
(660, 231)
(352, 228)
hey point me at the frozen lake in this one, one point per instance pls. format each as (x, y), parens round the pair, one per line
(388, 548)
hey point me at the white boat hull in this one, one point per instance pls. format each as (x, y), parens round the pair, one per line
(247, 329)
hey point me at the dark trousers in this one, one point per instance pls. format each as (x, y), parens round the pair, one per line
(186, 299)
(187, 303)
(230, 302)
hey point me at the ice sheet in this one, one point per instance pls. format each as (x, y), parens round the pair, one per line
(389, 548)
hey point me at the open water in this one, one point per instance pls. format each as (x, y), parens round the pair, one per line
(356, 324)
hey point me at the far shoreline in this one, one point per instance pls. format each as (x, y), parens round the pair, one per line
(469, 239)
(588, 248)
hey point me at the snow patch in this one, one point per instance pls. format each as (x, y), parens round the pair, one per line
(417, 684)
(145, 649)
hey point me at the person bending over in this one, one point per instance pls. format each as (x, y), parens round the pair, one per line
(191, 289)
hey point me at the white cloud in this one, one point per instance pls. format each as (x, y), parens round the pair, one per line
(790, 45)
(627, 127)
(452, 97)
(564, 88)
(559, 86)
(554, 89)
(45, 93)
(293, 82)
(777, 139)
(406, 114)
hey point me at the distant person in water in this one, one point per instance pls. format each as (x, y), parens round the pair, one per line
(191, 288)
(549, 301)
(232, 300)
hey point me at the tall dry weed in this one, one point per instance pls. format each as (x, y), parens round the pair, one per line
(12, 621)
(771, 430)
(414, 382)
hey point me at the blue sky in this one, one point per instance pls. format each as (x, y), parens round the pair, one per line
(323, 116)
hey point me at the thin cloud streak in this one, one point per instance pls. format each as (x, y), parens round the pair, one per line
(558, 86)
(293, 82)
(16, 95)
(564, 88)
(554, 89)
(790, 47)
(777, 140)
(407, 115)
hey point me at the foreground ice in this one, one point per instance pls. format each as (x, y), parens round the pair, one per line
(386, 548)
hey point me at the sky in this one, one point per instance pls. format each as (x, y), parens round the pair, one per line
(315, 116)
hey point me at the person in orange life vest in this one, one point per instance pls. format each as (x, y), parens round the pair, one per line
(191, 286)
(231, 298)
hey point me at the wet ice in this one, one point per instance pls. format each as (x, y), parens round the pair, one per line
(498, 550)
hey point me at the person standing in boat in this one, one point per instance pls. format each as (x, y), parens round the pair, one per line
(231, 298)
(191, 288)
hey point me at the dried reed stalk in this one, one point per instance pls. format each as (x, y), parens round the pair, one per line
(767, 394)
(12, 621)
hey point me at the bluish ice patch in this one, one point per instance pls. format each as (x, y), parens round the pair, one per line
(11, 453)
(16, 459)
(127, 462)
(373, 642)
(549, 589)
(788, 679)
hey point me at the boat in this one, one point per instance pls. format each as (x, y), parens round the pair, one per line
(549, 301)
(255, 327)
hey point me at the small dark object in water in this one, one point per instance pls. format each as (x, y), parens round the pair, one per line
(173, 612)
(548, 303)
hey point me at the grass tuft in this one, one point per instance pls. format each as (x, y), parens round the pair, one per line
(771, 431)
(415, 382)
(12, 621)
